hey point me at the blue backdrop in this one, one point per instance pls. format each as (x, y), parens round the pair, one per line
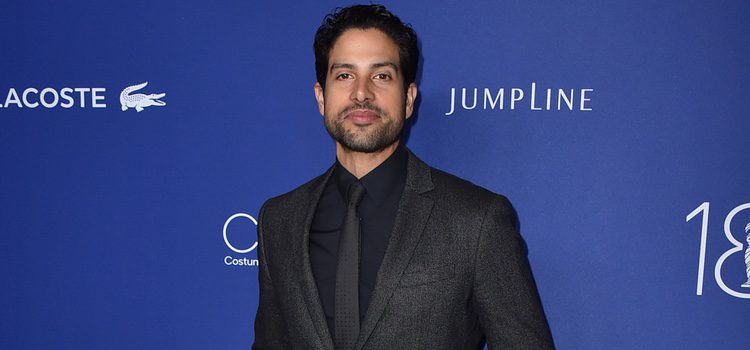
(118, 229)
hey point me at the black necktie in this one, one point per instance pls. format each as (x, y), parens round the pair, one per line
(346, 300)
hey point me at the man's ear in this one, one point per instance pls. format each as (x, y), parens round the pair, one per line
(411, 96)
(321, 99)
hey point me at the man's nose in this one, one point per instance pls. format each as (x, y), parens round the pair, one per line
(362, 91)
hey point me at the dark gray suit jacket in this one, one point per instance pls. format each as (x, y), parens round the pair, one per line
(454, 274)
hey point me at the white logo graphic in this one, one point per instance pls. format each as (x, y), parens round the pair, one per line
(704, 208)
(229, 260)
(139, 101)
(747, 257)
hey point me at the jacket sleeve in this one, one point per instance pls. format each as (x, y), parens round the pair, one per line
(270, 330)
(505, 297)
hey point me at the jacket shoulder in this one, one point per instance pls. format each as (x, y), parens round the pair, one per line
(453, 192)
(295, 195)
(453, 187)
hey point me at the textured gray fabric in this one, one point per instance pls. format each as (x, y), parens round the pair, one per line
(454, 273)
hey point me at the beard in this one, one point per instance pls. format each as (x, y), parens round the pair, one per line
(366, 139)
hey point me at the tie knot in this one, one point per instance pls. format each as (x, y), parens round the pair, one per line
(356, 192)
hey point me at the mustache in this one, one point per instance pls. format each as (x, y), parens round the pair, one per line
(367, 105)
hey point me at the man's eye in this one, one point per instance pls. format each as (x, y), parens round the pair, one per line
(344, 76)
(383, 76)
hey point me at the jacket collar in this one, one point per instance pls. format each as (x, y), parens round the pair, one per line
(413, 211)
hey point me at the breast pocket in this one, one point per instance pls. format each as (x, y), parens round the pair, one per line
(422, 277)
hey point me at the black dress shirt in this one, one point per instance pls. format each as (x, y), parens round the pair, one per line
(377, 211)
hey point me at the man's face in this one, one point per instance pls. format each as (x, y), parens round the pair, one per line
(364, 103)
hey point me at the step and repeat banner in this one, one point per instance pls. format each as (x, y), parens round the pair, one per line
(138, 141)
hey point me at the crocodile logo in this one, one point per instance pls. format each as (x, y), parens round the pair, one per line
(139, 101)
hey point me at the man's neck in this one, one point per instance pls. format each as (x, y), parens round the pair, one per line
(360, 164)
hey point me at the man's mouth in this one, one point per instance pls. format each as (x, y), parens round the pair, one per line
(362, 116)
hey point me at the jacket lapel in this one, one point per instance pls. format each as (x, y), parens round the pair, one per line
(411, 219)
(301, 250)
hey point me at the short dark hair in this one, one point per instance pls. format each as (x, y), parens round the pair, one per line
(366, 17)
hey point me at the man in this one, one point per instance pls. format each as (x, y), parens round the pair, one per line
(382, 251)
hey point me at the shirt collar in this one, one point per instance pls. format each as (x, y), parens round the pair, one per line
(389, 176)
